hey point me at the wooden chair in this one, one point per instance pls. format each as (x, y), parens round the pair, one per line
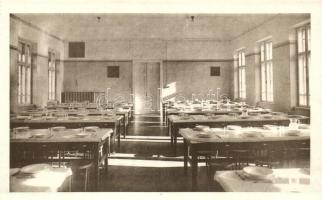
(82, 172)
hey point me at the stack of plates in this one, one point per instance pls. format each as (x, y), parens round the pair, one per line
(233, 127)
(204, 135)
(270, 127)
(293, 132)
(244, 117)
(23, 117)
(73, 118)
(277, 113)
(34, 170)
(304, 126)
(81, 135)
(251, 133)
(267, 116)
(202, 128)
(258, 173)
(214, 116)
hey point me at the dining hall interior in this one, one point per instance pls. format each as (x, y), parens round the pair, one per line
(103, 102)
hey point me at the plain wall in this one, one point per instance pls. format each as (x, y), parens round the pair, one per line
(85, 76)
(194, 77)
(41, 43)
(185, 49)
(193, 57)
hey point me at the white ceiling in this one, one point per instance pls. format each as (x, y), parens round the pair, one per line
(142, 26)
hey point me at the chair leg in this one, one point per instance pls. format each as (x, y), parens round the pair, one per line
(86, 180)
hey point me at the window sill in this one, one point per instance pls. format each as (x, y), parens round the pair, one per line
(267, 102)
(302, 108)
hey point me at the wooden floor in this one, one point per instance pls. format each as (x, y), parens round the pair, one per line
(146, 163)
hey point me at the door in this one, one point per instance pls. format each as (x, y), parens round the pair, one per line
(146, 84)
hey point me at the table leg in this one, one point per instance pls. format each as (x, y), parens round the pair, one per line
(119, 136)
(170, 132)
(124, 127)
(96, 167)
(106, 155)
(174, 133)
(194, 170)
(185, 156)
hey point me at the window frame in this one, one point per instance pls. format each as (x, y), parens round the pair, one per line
(307, 56)
(52, 75)
(241, 72)
(266, 63)
(24, 71)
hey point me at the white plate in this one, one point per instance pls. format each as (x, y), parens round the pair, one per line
(304, 126)
(267, 116)
(251, 133)
(293, 132)
(233, 127)
(35, 168)
(39, 135)
(270, 127)
(202, 128)
(257, 172)
(82, 134)
(244, 117)
(203, 135)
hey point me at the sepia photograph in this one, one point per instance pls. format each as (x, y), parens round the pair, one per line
(161, 101)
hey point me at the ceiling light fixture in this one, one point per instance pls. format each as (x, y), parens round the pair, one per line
(98, 19)
(192, 18)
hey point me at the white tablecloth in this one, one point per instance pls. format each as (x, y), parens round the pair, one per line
(231, 182)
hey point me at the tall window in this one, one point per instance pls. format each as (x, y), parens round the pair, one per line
(266, 55)
(24, 73)
(241, 74)
(51, 76)
(304, 61)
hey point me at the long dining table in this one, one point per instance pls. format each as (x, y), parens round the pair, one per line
(219, 111)
(125, 112)
(113, 122)
(29, 147)
(196, 144)
(219, 121)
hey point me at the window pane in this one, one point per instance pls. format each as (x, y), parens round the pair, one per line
(262, 52)
(22, 52)
(299, 41)
(263, 82)
(270, 81)
(302, 80)
(271, 50)
(19, 84)
(239, 81)
(303, 39)
(267, 51)
(23, 84)
(49, 84)
(53, 85)
(244, 83)
(28, 85)
(308, 38)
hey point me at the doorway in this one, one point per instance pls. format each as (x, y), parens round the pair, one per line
(146, 86)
